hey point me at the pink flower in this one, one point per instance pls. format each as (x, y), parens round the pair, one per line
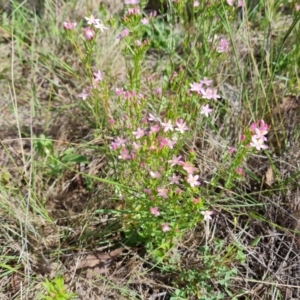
(129, 94)
(155, 174)
(205, 110)
(117, 143)
(196, 200)
(165, 227)
(196, 87)
(162, 192)
(153, 14)
(239, 170)
(84, 94)
(136, 146)
(167, 126)
(175, 160)
(210, 94)
(119, 92)
(258, 143)
(121, 141)
(89, 33)
(231, 150)
(144, 120)
(181, 126)
(253, 126)
(138, 133)
(155, 128)
(145, 21)
(205, 81)
(170, 143)
(69, 25)
(261, 125)
(240, 3)
(152, 118)
(174, 179)
(260, 134)
(124, 154)
(98, 76)
(162, 142)
(157, 91)
(114, 146)
(178, 191)
(262, 129)
(259, 130)
(193, 180)
(223, 46)
(207, 214)
(100, 26)
(91, 20)
(123, 34)
(165, 142)
(95, 22)
(154, 211)
(188, 167)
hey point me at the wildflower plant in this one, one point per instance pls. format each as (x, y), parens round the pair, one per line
(94, 95)
(160, 188)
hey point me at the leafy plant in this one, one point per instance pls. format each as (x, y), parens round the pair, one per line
(55, 290)
(207, 282)
(57, 163)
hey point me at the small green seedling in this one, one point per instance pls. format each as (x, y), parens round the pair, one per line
(55, 290)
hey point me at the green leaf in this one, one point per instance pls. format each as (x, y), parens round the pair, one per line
(255, 242)
(74, 158)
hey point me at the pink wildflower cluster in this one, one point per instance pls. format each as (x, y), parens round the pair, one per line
(192, 179)
(259, 131)
(162, 134)
(203, 89)
(153, 126)
(166, 126)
